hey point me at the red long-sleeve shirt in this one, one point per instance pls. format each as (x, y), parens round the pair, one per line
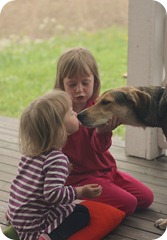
(89, 154)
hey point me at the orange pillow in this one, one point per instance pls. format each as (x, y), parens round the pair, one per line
(103, 219)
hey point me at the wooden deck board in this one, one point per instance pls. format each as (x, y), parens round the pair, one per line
(138, 226)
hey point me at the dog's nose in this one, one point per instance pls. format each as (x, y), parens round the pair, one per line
(79, 116)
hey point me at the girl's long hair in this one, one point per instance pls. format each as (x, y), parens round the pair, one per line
(41, 124)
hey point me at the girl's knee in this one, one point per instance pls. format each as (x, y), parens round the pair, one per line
(143, 202)
(146, 200)
(130, 206)
(150, 199)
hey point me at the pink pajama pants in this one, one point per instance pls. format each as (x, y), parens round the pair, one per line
(122, 191)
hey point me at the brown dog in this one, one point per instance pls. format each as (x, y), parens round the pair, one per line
(135, 106)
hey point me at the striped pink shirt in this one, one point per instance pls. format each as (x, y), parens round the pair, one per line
(39, 201)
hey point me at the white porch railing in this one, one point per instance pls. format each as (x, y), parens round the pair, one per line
(147, 59)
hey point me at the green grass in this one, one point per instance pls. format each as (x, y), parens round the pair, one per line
(28, 68)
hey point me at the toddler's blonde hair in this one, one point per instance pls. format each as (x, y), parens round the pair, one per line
(41, 124)
(77, 62)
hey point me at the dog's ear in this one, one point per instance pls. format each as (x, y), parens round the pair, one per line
(140, 101)
(137, 97)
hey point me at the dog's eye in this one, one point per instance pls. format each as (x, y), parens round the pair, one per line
(105, 102)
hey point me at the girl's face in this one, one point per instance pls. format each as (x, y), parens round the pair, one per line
(79, 88)
(71, 122)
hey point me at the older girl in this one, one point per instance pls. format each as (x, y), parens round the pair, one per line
(88, 149)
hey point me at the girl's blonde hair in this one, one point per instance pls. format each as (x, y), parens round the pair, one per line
(41, 124)
(74, 62)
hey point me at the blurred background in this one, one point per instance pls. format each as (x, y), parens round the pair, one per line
(34, 33)
(47, 18)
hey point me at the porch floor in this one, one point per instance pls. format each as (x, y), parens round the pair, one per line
(153, 173)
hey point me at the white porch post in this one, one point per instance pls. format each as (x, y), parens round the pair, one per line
(161, 138)
(145, 67)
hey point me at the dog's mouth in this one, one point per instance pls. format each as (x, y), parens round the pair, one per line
(90, 122)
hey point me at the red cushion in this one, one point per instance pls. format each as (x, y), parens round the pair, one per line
(104, 218)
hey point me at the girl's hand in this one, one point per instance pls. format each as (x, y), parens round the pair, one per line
(113, 123)
(89, 191)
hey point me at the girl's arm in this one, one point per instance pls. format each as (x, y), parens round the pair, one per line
(101, 137)
(56, 172)
(55, 192)
(101, 142)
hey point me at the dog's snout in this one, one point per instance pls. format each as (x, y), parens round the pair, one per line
(80, 116)
(83, 118)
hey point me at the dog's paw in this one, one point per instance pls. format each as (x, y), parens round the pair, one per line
(161, 223)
